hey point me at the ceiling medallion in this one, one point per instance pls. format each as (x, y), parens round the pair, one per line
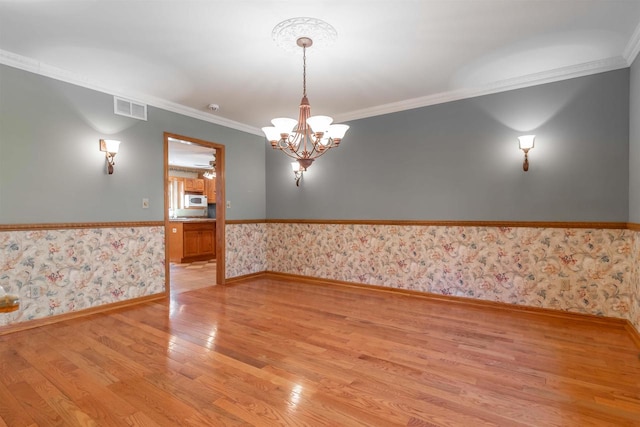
(309, 137)
(287, 33)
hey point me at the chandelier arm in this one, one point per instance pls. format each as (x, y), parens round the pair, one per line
(325, 147)
(291, 144)
(288, 153)
(294, 155)
(284, 146)
(320, 152)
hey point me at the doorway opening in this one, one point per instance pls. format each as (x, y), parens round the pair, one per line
(194, 214)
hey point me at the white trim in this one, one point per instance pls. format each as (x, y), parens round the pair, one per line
(633, 47)
(559, 74)
(202, 115)
(28, 64)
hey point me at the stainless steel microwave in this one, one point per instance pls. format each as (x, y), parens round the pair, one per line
(195, 201)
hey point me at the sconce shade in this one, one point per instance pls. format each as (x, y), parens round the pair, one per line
(297, 172)
(527, 142)
(110, 145)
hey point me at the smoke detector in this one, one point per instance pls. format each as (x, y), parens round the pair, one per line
(213, 107)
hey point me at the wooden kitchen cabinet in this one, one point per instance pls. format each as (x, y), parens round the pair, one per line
(192, 241)
(188, 185)
(194, 185)
(198, 240)
(210, 190)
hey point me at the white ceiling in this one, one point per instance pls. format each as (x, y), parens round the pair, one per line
(189, 155)
(390, 55)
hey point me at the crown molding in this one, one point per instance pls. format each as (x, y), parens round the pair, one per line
(564, 73)
(31, 65)
(201, 115)
(588, 68)
(633, 47)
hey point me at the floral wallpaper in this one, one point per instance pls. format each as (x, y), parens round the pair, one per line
(246, 249)
(578, 270)
(634, 315)
(60, 271)
(595, 271)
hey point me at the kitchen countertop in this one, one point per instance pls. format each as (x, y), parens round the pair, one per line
(195, 219)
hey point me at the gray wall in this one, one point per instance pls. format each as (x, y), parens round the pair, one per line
(51, 169)
(634, 144)
(460, 160)
(456, 161)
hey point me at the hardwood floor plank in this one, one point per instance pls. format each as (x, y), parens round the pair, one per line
(11, 410)
(11, 363)
(280, 352)
(252, 411)
(35, 406)
(140, 419)
(47, 374)
(106, 408)
(157, 404)
(189, 391)
(214, 416)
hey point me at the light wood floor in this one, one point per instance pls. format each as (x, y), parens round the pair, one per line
(277, 352)
(195, 275)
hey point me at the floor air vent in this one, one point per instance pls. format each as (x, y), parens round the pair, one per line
(125, 107)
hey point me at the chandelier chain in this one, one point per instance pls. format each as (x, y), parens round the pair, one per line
(304, 70)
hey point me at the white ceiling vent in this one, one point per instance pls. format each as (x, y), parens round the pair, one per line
(126, 107)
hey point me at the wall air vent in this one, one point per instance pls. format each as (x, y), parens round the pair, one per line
(126, 107)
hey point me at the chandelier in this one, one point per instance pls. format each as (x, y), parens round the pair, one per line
(309, 137)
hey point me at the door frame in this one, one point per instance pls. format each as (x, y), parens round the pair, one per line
(220, 207)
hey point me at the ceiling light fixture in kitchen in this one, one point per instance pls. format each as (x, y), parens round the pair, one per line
(210, 174)
(309, 137)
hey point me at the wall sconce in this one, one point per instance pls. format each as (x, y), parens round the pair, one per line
(297, 172)
(526, 142)
(110, 147)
